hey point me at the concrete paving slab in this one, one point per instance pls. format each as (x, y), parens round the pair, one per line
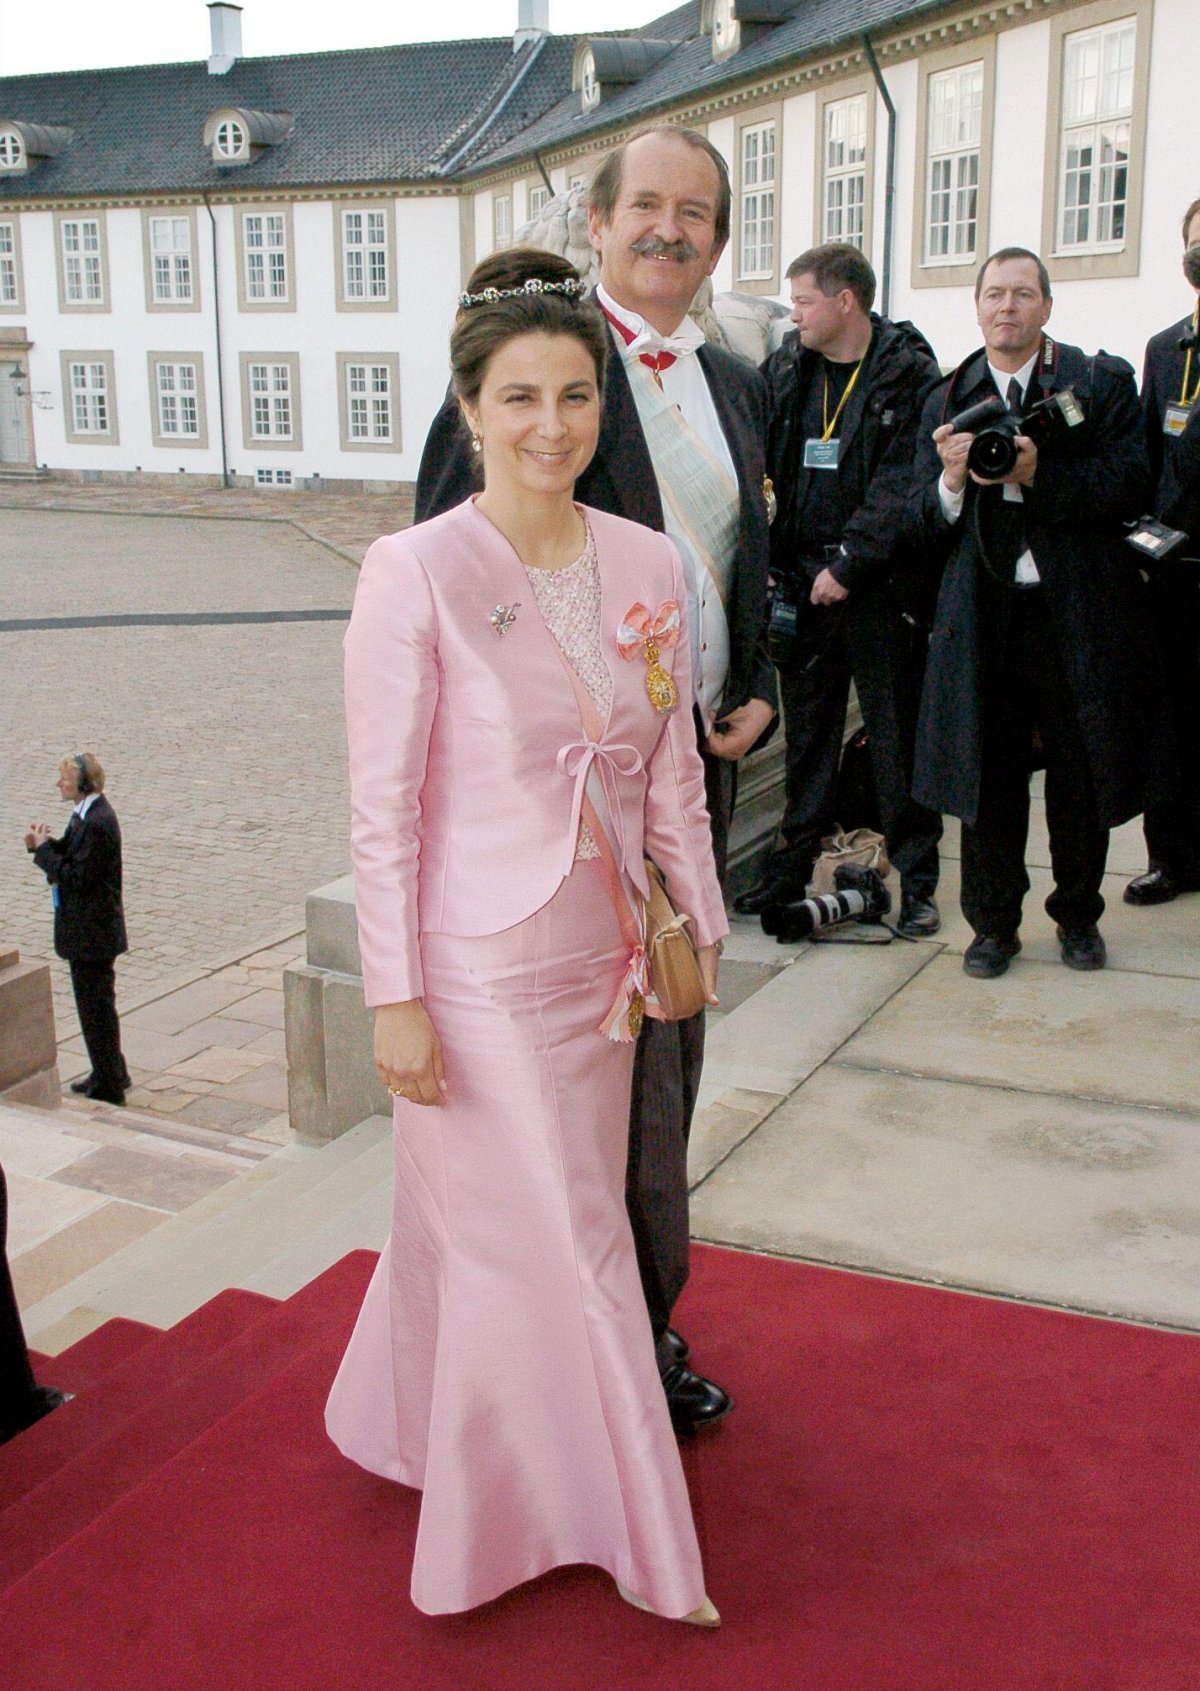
(147, 1048)
(28, 1147)
(777, 1038)
(1033, 1196)
(1043, 1028)
(191, 1004)
(72, 1251)
(37, 1209)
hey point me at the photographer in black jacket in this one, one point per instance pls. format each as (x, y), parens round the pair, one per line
(845, 395)
(83, 868)
(1171, 408)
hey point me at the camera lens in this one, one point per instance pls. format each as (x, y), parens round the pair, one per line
(993, 453)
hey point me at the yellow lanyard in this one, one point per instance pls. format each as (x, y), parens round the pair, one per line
(1186, 398)
(831, 423)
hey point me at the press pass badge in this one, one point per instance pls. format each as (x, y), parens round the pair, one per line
(1175, 420)
(821, 454)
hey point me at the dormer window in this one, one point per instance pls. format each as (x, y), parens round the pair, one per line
(734, 24)
(588, 84)
(231, 140)
(726, 31)
(12, 150)
(236, 135)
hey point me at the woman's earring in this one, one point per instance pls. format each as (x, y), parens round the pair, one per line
(476, 443)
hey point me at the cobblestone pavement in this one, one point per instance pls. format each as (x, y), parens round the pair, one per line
(223, 743)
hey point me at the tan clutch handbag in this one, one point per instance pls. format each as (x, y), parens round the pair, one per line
(675, 978)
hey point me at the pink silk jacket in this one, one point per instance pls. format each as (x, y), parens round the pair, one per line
(467, 751)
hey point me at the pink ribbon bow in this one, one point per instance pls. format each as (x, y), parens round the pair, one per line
(638, 628)
(574, 761)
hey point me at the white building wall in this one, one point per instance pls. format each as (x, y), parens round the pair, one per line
(797, 215)
(721, 134)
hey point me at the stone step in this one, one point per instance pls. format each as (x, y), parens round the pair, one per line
(232, 1236)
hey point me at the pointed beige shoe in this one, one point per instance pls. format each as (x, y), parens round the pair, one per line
(705, 1615)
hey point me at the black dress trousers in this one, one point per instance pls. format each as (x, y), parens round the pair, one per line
(95, 987)
(666, 1080)
(1028, 702)
(1172, 829)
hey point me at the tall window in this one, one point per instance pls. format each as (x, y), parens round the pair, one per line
(757, 180)
(270, 402)
(1097, 114)
(845, 193)
(955, 130)
(10, 292)
(369, 403)
(538, 199)
(502, 228)
(83, 278)
(171, 259)
(178, 408)
(365, 255)
(89, 398)
(265, 246)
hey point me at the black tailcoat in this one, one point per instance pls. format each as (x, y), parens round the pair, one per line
(85, 866)
(620, 479)
(1089, 482)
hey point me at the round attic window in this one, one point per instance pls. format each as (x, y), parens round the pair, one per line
(725, 28)
(589, 86)
(12, 150)
(231, 139)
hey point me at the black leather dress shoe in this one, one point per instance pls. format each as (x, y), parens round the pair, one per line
(83, 1084)
(1156, 886)
(694, 1402)
(674, 1346)
(766, 893)
(105, 1094)
(989, 955)
(1083, 948)
(919, 917)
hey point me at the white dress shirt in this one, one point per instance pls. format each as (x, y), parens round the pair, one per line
(84, 805)
(685, 385)
(1026, 573)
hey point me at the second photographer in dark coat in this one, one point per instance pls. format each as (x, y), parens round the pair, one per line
(845, 395)
(1040, 648)
(1171, 408)
(83, 868)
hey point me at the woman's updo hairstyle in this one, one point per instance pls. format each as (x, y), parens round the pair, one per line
(484, 326)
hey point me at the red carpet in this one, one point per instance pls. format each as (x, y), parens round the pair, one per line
(918, 1492)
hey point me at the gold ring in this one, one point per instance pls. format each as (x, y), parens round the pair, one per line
(397, 1092)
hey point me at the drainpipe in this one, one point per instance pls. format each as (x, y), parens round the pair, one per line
(537, 159)
(220, 363)
(889, 191)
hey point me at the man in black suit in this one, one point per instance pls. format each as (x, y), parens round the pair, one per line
(1040, 642)
(1171, 408)
(680, 450)
(84, 872)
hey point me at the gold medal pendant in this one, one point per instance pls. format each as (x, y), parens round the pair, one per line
(637, 1014)
(663, 693)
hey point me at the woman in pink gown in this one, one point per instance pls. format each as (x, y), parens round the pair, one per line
(514, 748)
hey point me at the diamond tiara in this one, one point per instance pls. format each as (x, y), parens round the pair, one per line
(571, 286)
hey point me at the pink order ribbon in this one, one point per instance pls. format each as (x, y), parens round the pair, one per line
(574, 761)
(637, 628)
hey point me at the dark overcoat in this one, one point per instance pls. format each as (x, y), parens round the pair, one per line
(1090, 480)
(620, 479)
(1174, 460)
(85, 867)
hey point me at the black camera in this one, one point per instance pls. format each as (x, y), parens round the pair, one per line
(993, 452)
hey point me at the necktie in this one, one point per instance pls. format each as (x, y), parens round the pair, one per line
(1016, 397)
(656, 362)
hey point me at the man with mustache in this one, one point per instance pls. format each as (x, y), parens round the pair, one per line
(681, 450)
(1171, 408)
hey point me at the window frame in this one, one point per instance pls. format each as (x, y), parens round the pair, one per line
(387, 360)
(365, 208)
(498, 244)
(270, 443)
(759, 281)
(18, 166)
(151, 215)
(185, 442)
(61, 220)
(959, 271)
(241, 211)
(851, 88)
(1071, 264)
(110, 436)
(536, 187)
(17, 303)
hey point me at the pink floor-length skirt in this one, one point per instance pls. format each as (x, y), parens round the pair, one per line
(502, 1361)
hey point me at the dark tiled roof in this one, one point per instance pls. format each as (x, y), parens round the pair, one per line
(392, 114)
(690, 73)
